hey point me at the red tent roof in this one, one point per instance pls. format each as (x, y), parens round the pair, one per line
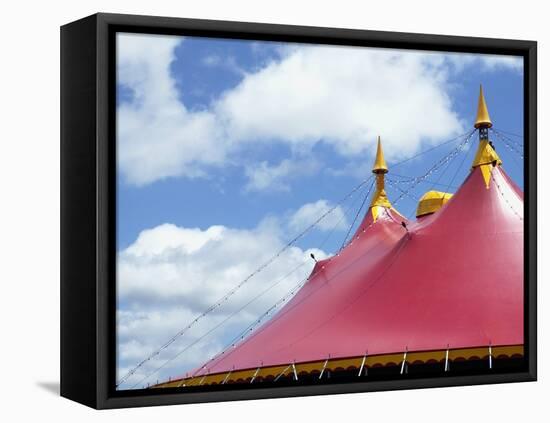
(453, 279)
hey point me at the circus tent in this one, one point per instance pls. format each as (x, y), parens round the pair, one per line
(445, 286)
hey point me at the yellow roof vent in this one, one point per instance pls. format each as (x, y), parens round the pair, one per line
(431, 202)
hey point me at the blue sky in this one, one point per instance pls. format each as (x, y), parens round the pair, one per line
(256, 138)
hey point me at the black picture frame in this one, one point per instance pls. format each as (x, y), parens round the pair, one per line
(88, 200)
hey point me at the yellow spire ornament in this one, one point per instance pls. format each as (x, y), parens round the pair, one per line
(483, 119)
(380, 198)
(486, 157)
(380, 165)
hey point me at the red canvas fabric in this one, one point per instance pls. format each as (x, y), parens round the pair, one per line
(452, 279)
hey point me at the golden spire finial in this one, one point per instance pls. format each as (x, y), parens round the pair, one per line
(379, 163)
(380, 198)
(486, 157)
(483, 119)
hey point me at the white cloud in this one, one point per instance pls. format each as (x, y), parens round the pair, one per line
(211, 60)
(486, 62)
(167, 237)
(170, 275)
(262, 176)
(344, 97)
(157, 136)
(340, 96)
(226, 62)
(310, 212)
(493, 62)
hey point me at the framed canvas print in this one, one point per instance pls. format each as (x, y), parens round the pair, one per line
(258, 211)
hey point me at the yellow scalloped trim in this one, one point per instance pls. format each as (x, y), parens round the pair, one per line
(345, 363)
